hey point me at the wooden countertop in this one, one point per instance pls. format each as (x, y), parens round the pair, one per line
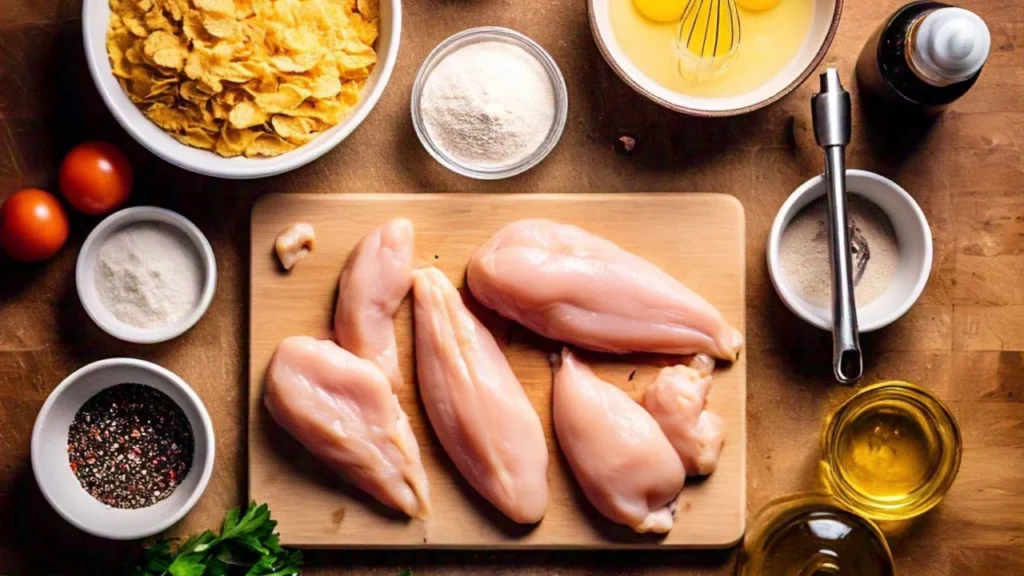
(964, 339)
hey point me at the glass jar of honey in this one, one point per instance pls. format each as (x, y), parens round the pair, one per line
(891, 451)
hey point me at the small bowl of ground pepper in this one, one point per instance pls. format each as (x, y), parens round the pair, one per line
(122, 448)
(891, 249)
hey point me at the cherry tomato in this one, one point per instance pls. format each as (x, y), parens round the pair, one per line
(96, 177)
(33, 225)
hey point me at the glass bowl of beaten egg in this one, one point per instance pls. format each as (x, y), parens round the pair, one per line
(779, 43)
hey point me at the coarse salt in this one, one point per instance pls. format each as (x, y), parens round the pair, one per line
(148, 275)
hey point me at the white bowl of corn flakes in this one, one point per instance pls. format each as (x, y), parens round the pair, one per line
(241, 88)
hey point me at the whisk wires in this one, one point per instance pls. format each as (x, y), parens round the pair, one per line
(709, 35)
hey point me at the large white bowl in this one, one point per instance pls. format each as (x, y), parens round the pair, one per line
(58, 483)
(95, 18)
(823, 28)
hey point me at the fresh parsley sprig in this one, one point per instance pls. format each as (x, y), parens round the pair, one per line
(246, 545)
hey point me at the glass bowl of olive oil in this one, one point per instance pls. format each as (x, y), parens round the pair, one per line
(891, 451)
(813, 535)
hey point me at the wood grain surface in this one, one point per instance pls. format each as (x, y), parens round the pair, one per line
(964, 339)
(697, 238)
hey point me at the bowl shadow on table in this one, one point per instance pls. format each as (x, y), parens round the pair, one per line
(666, 140)
(33, 531)
(808, 350)
(417, 165)
(87, 342)
(874, 345)
(18, 277)
(902, 534)
(891, 134)
(75, 113)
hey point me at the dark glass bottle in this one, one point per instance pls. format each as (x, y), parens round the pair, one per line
(925, 56)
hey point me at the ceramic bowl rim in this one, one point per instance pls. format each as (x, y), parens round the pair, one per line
(172, 379)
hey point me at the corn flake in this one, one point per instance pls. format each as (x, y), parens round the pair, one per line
(196, 137)
(286, 97)
(216, 6)
(268, 145)
(368, 8)
(246, 115)
(243, 77)
(295, 129)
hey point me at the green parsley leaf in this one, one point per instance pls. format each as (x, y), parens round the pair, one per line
(247, 544)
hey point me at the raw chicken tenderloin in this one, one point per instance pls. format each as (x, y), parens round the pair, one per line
(622, 460)
(676, 399)
(476, 405)
(374, 281)
(342, 409)
(570, 285)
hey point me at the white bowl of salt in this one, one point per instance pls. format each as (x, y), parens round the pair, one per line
(891, 245)
(146, 275)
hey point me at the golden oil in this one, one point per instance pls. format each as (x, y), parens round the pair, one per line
(812, 535)
(891, 451)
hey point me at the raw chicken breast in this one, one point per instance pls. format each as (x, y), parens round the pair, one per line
(570, 285)
(342, 409)
(676, 400)
(475, 403)
(620, 457)
(374, 281)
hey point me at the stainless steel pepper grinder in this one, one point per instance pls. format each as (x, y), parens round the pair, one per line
(830, 109)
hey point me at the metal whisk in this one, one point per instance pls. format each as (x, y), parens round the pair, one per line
(709, 35)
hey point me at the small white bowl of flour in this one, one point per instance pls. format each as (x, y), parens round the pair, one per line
(489, 103)
(146, 275)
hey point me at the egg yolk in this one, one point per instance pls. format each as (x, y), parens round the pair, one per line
(663, 10)
(757, 5)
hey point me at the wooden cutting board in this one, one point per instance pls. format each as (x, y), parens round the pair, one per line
(698, 238)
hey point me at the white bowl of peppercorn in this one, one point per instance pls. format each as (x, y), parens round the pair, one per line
(122, 448)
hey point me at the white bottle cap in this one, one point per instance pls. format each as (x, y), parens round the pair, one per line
(951, 45)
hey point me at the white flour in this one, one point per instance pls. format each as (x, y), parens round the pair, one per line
(148, 275)
(488, 104)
